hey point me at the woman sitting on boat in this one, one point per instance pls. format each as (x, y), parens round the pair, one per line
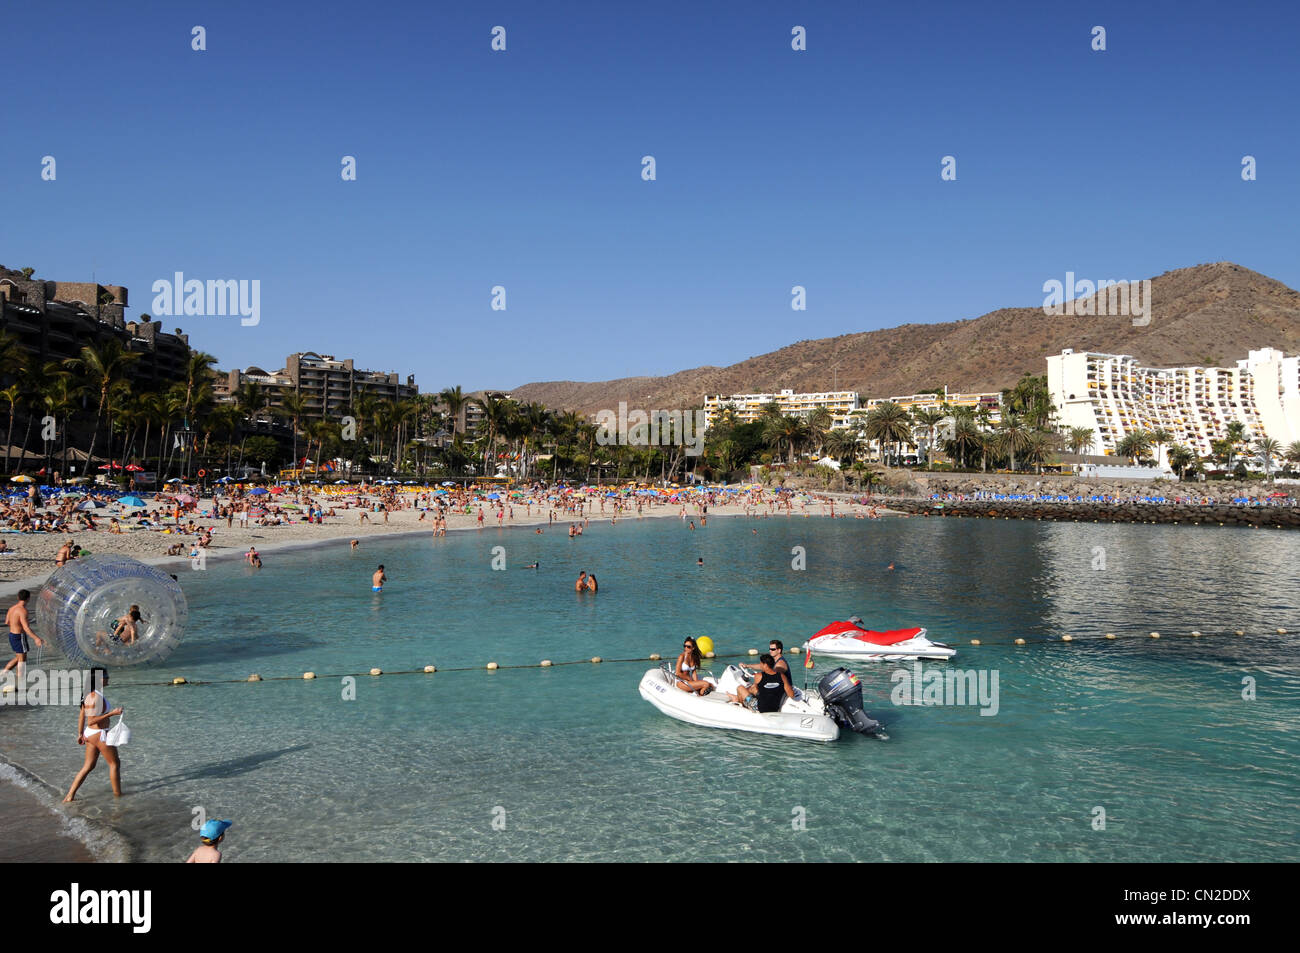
(688, 670)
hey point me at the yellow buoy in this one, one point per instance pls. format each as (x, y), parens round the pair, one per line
(753, 651)
(308, 675)
(974, 641)
(376, 671)
(1155, 635)
(1110, 635)
(1281, 631)
(178, 681)
(1195, 634)
(1067, 638)
(1241, 632)
(1020, 641)
(431, 669)
(595, 660)
(704, 644)
(255, 678)
(655, 657)
(492, 666)
(546, 663)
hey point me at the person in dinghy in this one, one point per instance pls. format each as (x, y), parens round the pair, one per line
(769, 687)
(688, 670)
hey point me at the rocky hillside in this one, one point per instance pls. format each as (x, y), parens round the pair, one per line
(1209, 314)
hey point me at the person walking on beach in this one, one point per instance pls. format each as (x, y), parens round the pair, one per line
(92, 728)
(19, 630)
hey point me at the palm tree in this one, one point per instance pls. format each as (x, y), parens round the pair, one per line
(496, 411)
(1180, 458)
(785, 430)
(294, 406)
(1160, 437)
(1012, 436)
(1268, 448)
(1235, 433)
(966, 437)
(454, 399)
(1292, 452)
(1080, 439)
(104, 366)
(13, 396)
(818, 423)
(1042, 444)
(929, 419)
(889, 422)
(1134, 446)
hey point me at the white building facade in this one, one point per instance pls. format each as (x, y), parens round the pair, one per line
(1114, 395)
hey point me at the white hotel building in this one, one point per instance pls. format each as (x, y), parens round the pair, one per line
(749, 407)
(1114, 395)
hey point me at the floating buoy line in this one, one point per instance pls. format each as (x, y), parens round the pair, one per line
(654, 657)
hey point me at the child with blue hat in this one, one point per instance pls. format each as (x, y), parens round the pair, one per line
(212, 834)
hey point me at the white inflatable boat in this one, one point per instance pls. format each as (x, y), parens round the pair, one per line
(848, 640)
(808, 716)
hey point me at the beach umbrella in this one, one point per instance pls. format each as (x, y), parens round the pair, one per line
(276, 489)
(111, 466)
(258, 491)
(441, 492)
(340, 482)
(134, 468)
(22, 479)
(410, 483)
(494, 496)
(448, 482)
(172, 480)
(185, 498)
(226, 479)
(131, 500)
(87, 505)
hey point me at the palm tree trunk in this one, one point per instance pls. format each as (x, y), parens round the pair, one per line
(22, 451)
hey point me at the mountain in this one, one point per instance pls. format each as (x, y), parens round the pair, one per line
(1209, 314)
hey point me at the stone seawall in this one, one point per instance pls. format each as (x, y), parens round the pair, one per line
(1224, 514)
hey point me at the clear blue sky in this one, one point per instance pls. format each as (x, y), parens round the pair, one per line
(522, 168)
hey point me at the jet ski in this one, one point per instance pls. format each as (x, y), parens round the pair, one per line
(812, 715)
(849, 640)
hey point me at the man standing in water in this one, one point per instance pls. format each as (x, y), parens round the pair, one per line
(378, 579)
(581, 584)
(18, 628)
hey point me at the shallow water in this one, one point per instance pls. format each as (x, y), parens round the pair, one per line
(569, 763)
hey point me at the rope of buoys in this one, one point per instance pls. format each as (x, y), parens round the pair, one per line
(594, 660)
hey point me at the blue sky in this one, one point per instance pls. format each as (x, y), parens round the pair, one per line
(523, 168)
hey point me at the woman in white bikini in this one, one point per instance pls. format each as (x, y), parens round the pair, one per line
(688, 670)
(92, 726)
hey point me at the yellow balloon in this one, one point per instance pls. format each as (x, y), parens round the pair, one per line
(704, 644)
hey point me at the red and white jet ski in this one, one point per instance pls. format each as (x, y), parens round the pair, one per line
(849, 640)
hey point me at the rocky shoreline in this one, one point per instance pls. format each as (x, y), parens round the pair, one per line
(1220, 514)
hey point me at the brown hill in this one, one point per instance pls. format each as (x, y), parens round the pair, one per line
(1209, 314)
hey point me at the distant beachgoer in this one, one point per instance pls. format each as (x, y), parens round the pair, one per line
(378, 579)
(889, 567)
(19, 631)
(92, 727)
(126, 626)
(211, 834)
(692, 524)
(591, 583)
(354, 543)
(581, 584)
(700, 561)
(64, 554)
(250, 555)
(534, 566)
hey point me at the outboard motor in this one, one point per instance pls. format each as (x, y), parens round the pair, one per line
(842, 694)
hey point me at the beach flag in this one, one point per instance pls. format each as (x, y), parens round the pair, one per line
(807, 659)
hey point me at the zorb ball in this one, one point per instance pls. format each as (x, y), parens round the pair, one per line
(80, 605)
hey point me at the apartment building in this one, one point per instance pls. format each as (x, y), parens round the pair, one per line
(1114, 395)
(330, 386)
(749, 407)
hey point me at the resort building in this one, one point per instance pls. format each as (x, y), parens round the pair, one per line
(1114, 395)
(991, 402)
(749, 407)
(54, 320)
(331, 386)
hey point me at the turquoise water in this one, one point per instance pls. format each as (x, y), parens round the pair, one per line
(571, 764)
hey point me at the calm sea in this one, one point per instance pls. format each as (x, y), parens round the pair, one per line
(1185, 747)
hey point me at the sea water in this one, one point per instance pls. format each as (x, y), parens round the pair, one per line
(1136, 749)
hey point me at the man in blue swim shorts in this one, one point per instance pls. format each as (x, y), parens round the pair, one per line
(378, 580)
(16, 619)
